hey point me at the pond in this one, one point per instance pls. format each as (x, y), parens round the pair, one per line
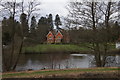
(62, 61)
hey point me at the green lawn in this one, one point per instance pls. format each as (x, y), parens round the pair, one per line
(44, 48)
(54, 72)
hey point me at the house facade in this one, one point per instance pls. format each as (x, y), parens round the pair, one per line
(54, 37)
(50, 37)
(58, 37)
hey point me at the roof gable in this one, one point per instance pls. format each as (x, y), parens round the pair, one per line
(59, 34)
(50, 33)
(54, 33)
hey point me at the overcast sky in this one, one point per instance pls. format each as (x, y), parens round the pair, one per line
(54, 7)
(51, 6)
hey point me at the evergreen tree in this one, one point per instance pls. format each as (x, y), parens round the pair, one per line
(118, 29)
(50, 21)
(43, 29)
(24, 24)
(6, 38)
(115, 31)
(57, 21)
(8, 29)
(33, 25)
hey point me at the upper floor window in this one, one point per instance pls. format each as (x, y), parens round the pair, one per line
(50, 37)
(59, 37)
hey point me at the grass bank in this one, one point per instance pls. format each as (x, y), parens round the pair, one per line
(45, 48)
(67, 48)
(79, 72)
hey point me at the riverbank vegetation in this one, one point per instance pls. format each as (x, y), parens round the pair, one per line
(48, 48)
(106, 72)
(67, 48)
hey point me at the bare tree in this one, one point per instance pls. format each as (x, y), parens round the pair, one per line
(85, 13)
(11, 7)
(108, 10)
(32, 7)
(28, 7)
(90, 15)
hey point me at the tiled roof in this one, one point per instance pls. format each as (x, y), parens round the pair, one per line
(54, 32)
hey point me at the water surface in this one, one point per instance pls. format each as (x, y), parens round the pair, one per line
(62, 61)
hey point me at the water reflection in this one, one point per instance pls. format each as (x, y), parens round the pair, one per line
(61, 61)
(105, 61)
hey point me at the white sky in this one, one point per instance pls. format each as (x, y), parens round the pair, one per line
(54, 7)
(50, 6)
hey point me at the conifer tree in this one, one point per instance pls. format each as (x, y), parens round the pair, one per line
(24, 24)
(57, 21)
(6, 35)
(33, 25)
(50, 21)
(43, 29)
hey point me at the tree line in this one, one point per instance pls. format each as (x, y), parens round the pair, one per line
(35, 33)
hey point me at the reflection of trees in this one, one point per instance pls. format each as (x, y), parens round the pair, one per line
(50, 60)
(55, 60)
(105, 61)
(118, 60)
(67, 63)
(111, 61)
(62, 61)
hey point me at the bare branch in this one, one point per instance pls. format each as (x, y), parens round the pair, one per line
(32, 7)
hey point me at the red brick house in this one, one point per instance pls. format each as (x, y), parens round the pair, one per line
(50, 37)
(58, 37)
(54, 37)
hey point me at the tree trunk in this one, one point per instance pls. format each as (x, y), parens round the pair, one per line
(20, 50)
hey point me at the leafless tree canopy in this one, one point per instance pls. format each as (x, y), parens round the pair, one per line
(96, 18)
(81, 12)
(30, 7)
